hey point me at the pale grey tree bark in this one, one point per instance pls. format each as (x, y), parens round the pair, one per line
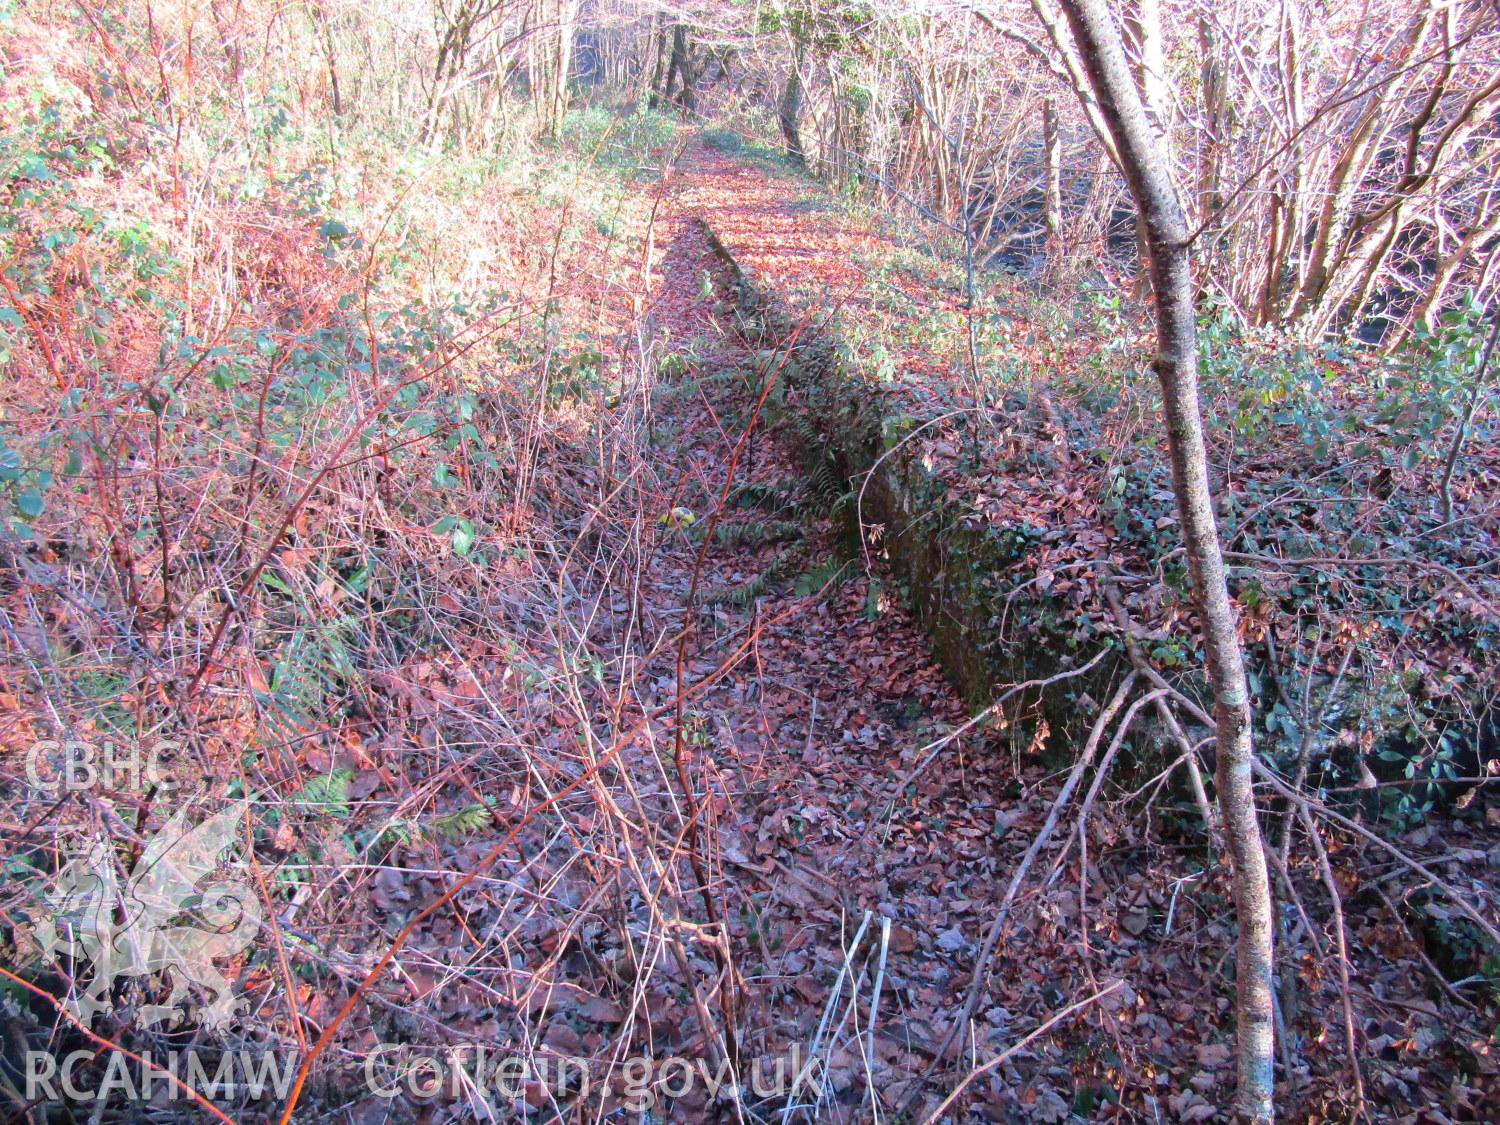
(1052, 148)
(1148, 172)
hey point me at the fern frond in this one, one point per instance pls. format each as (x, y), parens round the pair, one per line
(465, 822)
(806, 431)
(673, 365)
(825, 483)
(830, 574)
(765, 496)
(327, 793)
(746, 534)
(668, 392)
(745, 593)
(398, 833)
(691, 385)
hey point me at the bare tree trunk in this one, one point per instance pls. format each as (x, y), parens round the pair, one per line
(681, 67)
(1151, 69)
(1476, 394)
(658, 76)
(1214, 74)
(789, 110)
(324, 28)
(1143, 25)
(1148, 173)
(552, 64)
(233, 53)
(567, 34)
(1484, 230)
(1052, 147)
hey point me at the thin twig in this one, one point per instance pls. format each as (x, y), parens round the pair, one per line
(1018, 1045)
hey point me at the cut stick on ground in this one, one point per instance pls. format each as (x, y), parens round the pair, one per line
(1052, 1022)
(1189, 756)
(828, 1009)
(992, 938)
(935, 747)
(885, 946)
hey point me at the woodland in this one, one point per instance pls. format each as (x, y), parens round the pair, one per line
(900, 561)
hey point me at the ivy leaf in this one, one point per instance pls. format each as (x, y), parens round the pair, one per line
(463, 538)
(30, 504)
